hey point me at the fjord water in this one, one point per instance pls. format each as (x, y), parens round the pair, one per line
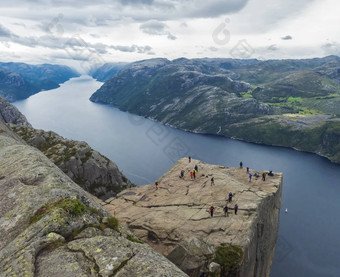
(309, 235)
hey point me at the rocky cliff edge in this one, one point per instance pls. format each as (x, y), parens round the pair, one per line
(175, 220)
(51, 227)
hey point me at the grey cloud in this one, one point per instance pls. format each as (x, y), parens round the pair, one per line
(136, 2)
(331, 48)
(133, 48)
(213, 49)
(73, 44)
(288, 37)
(171, 36)
(264, 17)
(4, 32)
(272, 47)
(202, 8)
(155, 27)
(104, 11)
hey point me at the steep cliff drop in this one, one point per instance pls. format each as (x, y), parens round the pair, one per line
(51, 227)
(85, 166)
(174, 218)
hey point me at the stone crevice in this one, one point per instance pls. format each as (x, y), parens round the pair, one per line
(96, 266)
(121, 266)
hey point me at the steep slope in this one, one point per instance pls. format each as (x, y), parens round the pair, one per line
(107, 71)
(51, 227)
(20, 80)
(10, 114)
(244, 99)
(174, 219)
(88, 168)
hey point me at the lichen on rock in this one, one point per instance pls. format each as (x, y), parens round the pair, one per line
(88, 168)
(52, 227)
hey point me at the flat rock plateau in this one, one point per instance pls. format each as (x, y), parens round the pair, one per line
(175, 219)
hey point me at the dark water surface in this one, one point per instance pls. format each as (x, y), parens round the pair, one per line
(309, 236)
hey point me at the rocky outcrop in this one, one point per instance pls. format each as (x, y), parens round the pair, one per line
(175, 220)
(10, 114)
(85, 166)
(51, 227)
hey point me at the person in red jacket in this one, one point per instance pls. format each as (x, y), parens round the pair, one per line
(211, 209)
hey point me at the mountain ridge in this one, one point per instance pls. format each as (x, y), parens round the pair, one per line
(21, 80)
(251, 100)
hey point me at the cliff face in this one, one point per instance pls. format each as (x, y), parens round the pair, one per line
(51, 227)
(174, 219)
(10, 114)
(85, 166)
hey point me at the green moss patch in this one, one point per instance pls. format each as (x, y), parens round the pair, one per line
(71, 206)
(133, 239)
(229, 257)
(112, 223)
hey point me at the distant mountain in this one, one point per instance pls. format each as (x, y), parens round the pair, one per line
(294, 103)
(20, 80)
(107, 71)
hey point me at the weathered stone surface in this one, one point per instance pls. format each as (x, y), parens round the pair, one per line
(52, 227)
(85, 166)
(174, 219)
(10, 114)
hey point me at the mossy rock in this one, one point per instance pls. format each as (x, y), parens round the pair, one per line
(71, 206)
(230, 258)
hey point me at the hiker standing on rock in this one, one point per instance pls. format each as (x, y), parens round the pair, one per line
(196, 167)
(241, 164)
(212, 181)
(230, 197)
(156, 184)
(264, 176)
(236, 208)
(194, 174)
(191, 175)
(225, 209)
(247, 169)
(189, 159)
(250, 175)
(211, 209)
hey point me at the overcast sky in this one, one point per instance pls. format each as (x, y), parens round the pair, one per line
(83, 33)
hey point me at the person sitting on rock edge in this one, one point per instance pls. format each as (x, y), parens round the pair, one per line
(182, 174)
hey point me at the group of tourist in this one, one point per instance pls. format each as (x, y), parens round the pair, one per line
(264, 174)
(225, 208)
(229, 199)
